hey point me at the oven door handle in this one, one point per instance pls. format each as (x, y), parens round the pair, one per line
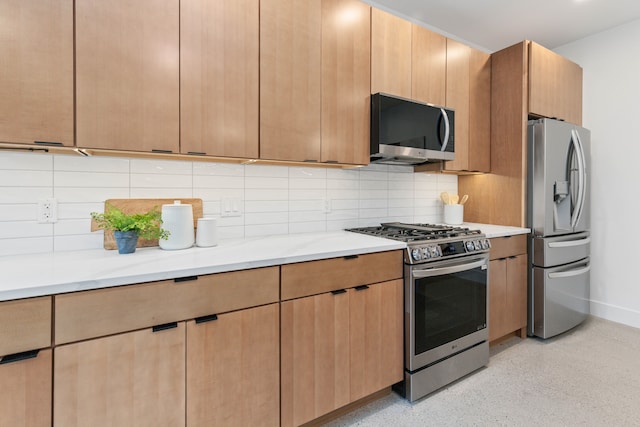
(429, 272)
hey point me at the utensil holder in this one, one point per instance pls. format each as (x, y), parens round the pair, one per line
(453, 214)
(206, 233)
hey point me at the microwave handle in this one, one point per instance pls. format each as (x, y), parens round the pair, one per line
(446, 129)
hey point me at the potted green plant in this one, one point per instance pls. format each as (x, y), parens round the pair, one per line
(127, 228)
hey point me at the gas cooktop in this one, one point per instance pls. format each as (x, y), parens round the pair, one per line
(430, 242)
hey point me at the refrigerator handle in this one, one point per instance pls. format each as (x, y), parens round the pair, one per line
(571, 273)
(582, 177)
(447, 129)
(571, 243)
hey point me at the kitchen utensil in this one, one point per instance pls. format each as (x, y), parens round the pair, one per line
(464, 199)
(177, 219)
(453, 199)
(445, 197)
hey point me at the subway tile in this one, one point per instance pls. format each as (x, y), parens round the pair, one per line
(217, 194)
(373, 175)
(236, 232)
(307, 173)
(218, 169)
(220, 181)
(162, 193)
(149, 180)
(256, 206)
(398, 212)
(314, 184)
(162, 167)
(307, 227)
(87, 195)
(18, 229)
(341, 224)
(24, 194)
(373, 213)
(266, 171)
(343, 184)
(231, 221)
(266, 230)
(91, 164)
(343, 215)
(374, 185)
(90, 179)
(79, 242)
(266, 194)
(26, 161)
(18, 212)
(374, 204)
(261, 218)
(344, 204)
(25, 178)
(78, 210)
(306, 216)
(373, 194)
(401, 203)
(26, 245)
(72, 226)
(307, 194)
(343, 194)
(343, 174)
(266, 182)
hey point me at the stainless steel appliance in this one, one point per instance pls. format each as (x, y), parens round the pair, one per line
(558, 215)
(406, 132)
(445, 290)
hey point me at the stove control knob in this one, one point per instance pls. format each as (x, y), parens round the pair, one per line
(416, 254)
(435, 251)
(477, 245)
(485, 244)
(425, 253)
(470, 246)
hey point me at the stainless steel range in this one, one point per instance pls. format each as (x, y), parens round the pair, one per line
(445, 288)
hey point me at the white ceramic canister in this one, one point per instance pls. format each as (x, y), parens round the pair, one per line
(177, 219)
(206, 233)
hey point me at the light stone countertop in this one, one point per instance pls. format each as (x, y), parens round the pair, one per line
(25, 276)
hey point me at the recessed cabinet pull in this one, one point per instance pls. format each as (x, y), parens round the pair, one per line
(161, 151)
(16, 357)
(53, 143)
(204, 319)
(185, 279)
(197, 153)
(165, 326)
(339, 291)
(361, 287)
(350, 256)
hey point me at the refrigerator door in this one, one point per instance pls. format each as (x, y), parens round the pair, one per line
(560, 298)
(558, 181)
(558, 250)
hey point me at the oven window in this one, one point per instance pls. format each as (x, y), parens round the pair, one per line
(449, 307)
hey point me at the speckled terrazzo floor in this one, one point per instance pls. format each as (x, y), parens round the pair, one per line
(589, 376)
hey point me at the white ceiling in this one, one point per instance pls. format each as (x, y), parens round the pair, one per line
(495, 24)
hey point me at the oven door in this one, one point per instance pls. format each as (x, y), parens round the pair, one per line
(445, 309)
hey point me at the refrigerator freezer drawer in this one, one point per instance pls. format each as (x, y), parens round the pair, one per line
(559, 250)
(560, 298)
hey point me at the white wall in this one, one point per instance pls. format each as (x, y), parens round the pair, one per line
(274, 199)
(611, 64)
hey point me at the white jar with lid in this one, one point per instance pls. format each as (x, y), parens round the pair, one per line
(177, 219)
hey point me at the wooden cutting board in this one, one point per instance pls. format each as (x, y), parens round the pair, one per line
(130, 206)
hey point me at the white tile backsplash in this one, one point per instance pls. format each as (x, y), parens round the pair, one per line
(274, 199)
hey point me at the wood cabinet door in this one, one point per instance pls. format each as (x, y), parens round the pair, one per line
(479, 111)
(390, 54)
(36, 81)
(27, 398)
(314, 356)
(290, 70)
(428, 65)
(130, 379)
(497, 298)
(219, 77)
(555, 85)
(516, 300)
(457, 98)
(376, 337)
(233, 369)
(346, 81)
(127, 74)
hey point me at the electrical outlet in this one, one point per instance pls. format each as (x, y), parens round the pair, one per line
(231, 207)
(326, 205)
(47, 211)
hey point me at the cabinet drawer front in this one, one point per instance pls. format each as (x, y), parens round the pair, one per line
(89, 314)
(25, 325)
(502, 247)
(315, 277)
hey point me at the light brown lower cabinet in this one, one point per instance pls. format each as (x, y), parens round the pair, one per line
(507, 287)
(130, 379)
(338, 347)
(26, 401)
(233, 368)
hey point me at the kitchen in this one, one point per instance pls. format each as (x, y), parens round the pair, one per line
(280, 199)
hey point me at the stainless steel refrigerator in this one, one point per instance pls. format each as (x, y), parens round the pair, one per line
(558, 215)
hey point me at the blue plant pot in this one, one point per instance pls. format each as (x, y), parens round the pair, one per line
(126, 241)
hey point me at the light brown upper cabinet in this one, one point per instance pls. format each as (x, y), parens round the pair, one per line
(429, 65)
(346, 81)
(314, 80)
(219, 77)
(469, 94)
(499, 198)
(36, 59)
(127, 74)
(555, 85)
(390, 54)
(290, 69)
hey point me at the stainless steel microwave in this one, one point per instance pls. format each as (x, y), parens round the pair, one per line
(407, 132)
